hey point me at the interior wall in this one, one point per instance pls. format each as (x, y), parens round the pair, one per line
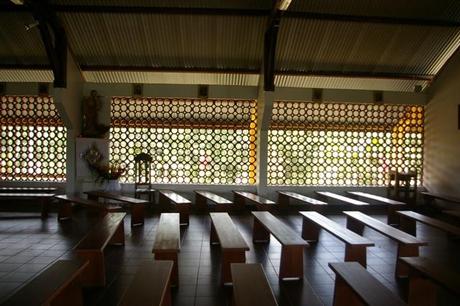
(442, 133)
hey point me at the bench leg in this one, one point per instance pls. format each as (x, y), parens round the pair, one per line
(164, 202)
(201, 203)
(45, 208)
(409, 225)
(94, 273)
(239, 202)
(291, 265)
(137, 214)
(175, 271)
(229, 257)
(119, 236)
(404, 250)
(65, 211)
(344, 295)
(184, 213)
(71, 295)
(213, 239)
(392, 216)
(356, 253)
(283, 202)
(259, 233)
(310, 231)
(422, 292)
(355, 226)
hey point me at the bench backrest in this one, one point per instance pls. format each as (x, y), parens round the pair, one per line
(229, 236)
(150, 284)
(99, 235)
(174, 197)
(254, 197)
(167, 236)
(213, 197)
(340, 198)
(442, 275)
(383, 228)
(376, 198)
(367, 287)
(283, 233)
(41, 289)
(250, 286)
(116, 197)
(335, 229)
(431, 221)
(302, 198)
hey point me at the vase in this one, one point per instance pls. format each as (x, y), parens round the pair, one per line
(112, 186)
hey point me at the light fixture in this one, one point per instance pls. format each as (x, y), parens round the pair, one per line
(283, 5)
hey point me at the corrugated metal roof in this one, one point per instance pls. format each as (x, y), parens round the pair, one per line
(321, 45)
(166, 40)
(26, 75)
(171, 78)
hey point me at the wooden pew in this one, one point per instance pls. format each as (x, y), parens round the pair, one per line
(250, 286)
(407, 245)
(67, 201)
(425, 276)
(59, 284)
(291, 264)
(285, 196)
(202, 198)
(354, 285)
(429, 197)
(109, 230)
(183, 206)
(137, 206)
(356, 245)
(409, 223)
(28, 189)
(240, 198)
(233, 245)
(44, 199)
(392, 205)
(167, 242)
(150, 286)
(341, 199)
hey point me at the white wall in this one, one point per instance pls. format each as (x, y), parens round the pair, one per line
(442, 136)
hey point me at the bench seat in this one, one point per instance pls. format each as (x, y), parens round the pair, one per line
(409, 218)
(430, 196)
(232, 243)
(392, 205)
(44, 199)
(408, 245)
(28, 189)
(424, 278)
(136, 206)
(167, 242)
(356, 245)
(150, 286)
(59, 284)
(109, 230)
(339, 198)
(285, 196)
(65, 209)
(292, 245)
(242, 197)
(171, 199)
(354, 285)
(218, 203)
(250, 286)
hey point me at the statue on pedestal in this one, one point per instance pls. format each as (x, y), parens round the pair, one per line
(91, 127)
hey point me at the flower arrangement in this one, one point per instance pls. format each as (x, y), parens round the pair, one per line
(103, 171)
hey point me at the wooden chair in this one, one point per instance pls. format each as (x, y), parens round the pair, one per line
(400, 183)
(143, 177)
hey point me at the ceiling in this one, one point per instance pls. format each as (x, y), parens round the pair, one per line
(354, 44)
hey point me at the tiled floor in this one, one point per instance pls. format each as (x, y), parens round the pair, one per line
(28, 245)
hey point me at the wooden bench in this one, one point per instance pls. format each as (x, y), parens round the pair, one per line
(407, 245)
(240, 198)
(392, 205)
(409, 223)
(250, 286)
(59, 284)
(292, 245)
(452, 213)
(109, 230)
(202, 198)
(65, 209)
(425, 276)
(180, 204)
(137, 206)
(354, 285)
(44, 199)
(429, 197)
(356, 245)
(151, 285)
(341, 199)
(285, 196)
(233, 245)
(167, 242)
(28, 189)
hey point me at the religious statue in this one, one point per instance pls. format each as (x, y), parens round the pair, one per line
(91, 126)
